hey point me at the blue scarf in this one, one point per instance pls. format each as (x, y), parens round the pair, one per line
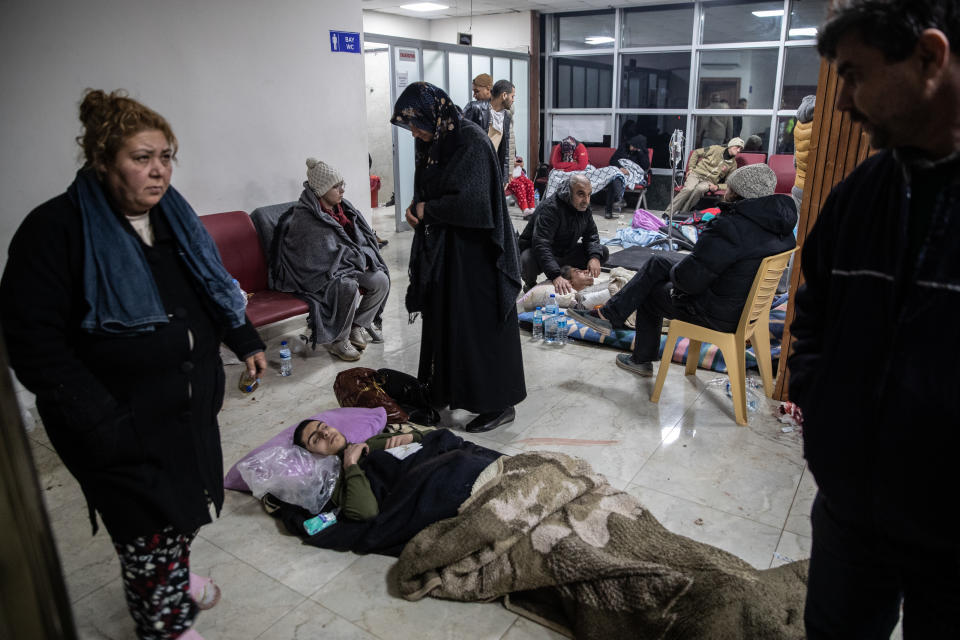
(117, 282)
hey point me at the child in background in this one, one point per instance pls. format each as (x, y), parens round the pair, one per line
(522, 188)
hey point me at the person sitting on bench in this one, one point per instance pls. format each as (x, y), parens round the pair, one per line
(710, 286)
(562, 231)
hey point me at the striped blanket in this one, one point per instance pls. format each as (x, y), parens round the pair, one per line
(599, 177)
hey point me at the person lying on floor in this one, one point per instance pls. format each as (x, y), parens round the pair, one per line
(562, 231)
(580, 280)
(710, 286)
(352, 493)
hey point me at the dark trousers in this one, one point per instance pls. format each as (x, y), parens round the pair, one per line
(530, 268)
(611, 193)
(858, 578)
(649, 293)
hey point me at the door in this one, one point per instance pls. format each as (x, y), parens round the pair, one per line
(405, 70)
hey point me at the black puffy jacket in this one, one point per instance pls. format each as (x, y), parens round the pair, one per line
(715, 278)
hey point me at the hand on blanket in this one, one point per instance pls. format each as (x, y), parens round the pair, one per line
(353, 452)
(562, 285)
(398, 441)
(414, 214)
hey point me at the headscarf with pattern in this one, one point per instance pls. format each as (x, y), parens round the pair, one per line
(567, 147)
(429, 108)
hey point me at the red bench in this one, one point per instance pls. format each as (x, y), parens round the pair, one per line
(782, 165)
(242, 255)
(600, 157)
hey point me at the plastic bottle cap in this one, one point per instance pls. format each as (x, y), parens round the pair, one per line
(282, 344)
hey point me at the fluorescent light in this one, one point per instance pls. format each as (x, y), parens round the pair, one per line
(598, 39)
(773, 13)
(424, 6)
(803, 31)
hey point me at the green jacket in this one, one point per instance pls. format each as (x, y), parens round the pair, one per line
(353, 493)
(710, 164)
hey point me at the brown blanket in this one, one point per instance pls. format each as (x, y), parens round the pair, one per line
(579, 556)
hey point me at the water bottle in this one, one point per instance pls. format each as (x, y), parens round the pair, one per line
(236, 283)
(286, 363)
(550, 329)
(552, 307)
(536, 198)
(538, 323)
(562, 328)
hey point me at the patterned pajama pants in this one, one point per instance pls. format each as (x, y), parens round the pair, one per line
(522, 189)
(156, 581)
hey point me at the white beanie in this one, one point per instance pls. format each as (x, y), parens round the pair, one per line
(753, 181)
(321, 177)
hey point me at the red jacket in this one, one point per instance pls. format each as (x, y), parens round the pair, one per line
(579, 159)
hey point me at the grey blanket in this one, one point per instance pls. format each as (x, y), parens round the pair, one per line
(318, 260)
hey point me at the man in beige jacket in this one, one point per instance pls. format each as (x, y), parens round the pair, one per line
(708, 168)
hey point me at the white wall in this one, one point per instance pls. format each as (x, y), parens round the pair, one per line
(388, 24)
(250, 88)
(379, 110)
(505, 31)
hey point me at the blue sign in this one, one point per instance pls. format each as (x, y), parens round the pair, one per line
(345, 41)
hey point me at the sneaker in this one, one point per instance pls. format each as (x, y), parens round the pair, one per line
(343, 350)
(625, 361)
(381, 243)
(376, 335)
(592, 319)
(357, 339)
(204, 592)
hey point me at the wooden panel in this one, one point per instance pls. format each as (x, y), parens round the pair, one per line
(837, 146)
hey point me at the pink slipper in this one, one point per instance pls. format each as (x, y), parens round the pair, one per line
(204, 592)
(190, 634)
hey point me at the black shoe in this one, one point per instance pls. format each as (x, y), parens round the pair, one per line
(491, 420)
(608, 215)
(380, 242)
(592, 319)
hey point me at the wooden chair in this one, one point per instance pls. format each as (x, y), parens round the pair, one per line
(754, 326)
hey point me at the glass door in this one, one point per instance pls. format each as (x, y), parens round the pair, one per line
(405, 71)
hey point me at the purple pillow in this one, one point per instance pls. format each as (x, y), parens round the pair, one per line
(355, 423)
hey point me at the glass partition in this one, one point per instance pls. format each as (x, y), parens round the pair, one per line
(461, 83)
(805, 17)
(655, 80)
(433, 68)
(521, 114)
(657, 26)
(800, 72)
(755, 21)
(583, 81)
(501, 69)
(577, 31)
(590, 130)
(729, 75)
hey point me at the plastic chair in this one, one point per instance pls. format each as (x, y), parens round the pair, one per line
(754, 326)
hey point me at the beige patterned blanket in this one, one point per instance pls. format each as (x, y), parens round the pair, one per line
(575, 554)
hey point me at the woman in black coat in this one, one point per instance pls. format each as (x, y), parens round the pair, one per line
(114, 302)
(464, 264)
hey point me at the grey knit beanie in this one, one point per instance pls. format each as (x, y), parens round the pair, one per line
(753, 181)
(321, 177)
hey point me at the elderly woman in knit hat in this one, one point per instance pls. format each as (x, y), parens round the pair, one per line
(710, 286)
(328, 254)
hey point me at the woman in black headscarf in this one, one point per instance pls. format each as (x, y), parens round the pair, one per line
(464, 263)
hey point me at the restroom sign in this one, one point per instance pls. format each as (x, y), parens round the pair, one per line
(345, 41)
(408, 54)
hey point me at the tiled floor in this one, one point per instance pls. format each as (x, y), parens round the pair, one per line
(744, 489)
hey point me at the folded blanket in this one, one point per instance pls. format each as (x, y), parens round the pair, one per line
(588, 560)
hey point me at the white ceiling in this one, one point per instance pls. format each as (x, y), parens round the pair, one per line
(458, 8)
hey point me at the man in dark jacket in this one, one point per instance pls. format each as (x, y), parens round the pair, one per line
(495, 119)
(710, 286)
(562, 232)
(875, 326)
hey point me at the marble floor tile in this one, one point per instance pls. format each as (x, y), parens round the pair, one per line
(524, 629)
(311, 621)
(250, 534)
(751, 472)
(752, 541)
(88, 561)
(365, 596)
(798, 521)
(790, 548)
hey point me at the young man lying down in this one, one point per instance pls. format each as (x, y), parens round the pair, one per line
(385, 496)
(352, 494)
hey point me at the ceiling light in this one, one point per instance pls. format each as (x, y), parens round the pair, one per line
(803, 31)
(598, 39)
(773, 13)
(424, 6)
